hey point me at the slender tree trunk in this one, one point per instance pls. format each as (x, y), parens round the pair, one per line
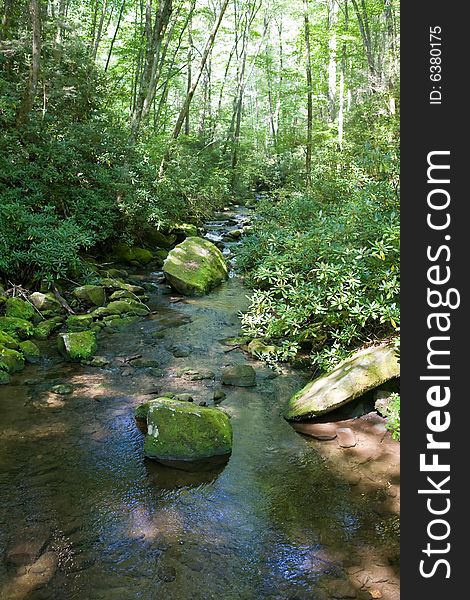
(342, 80)
(32, 85)
(6, 19)
(332, 47)
(363, 21)
(189, 77)
(308, 157)
(110, 52)
(189, 96)
(99, 32)
(151, 72)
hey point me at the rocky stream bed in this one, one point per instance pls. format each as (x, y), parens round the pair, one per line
(85, 516)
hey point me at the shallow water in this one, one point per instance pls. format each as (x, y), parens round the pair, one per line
(84, 516)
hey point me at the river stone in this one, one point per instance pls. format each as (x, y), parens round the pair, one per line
(183, 397)
(45, 302)
(182, 431)
(16, 327)
(4, 377)
(11, 360)
(44, 329)
(195, 266)
(92, 295)
(239, 375)
(30, 351)
(353, 377)
(62, 389)
(77, 345)
(127, 306)
(219, 395)
(319, 431)
(15, 307)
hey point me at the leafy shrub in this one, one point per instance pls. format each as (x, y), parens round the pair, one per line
(393, 416)
(325, 267)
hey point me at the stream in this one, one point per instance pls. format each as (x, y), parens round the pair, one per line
(84, 516)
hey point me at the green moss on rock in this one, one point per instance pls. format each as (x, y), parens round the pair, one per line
(44, 329)
(30, 351)
(7, 341)
(182, 431)
(76, 346)
(79, 322)
(91, 295)
(15, 307)
(195, 266)
(131, 255)
(351, 378)
(11, 361)
(16, 327)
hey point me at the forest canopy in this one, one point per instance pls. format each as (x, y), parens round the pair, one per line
(120, 114)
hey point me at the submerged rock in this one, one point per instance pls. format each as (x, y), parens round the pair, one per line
(195, 266)
(239, 375)
(181, 431)
(78, 345)
(364, 371)
(62, 389)
(91, 295)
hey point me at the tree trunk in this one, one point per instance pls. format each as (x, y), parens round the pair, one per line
(121, 11)
(189, 96)
(308, 157)
(332, 46)
(32, 85)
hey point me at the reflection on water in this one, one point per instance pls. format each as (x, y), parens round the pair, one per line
(85, 516)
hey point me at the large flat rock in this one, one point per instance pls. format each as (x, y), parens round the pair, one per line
(364, 371)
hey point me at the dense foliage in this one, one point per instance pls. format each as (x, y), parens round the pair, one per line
(325, 263)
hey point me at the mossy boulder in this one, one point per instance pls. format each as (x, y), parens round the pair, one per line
(195, 266)
(79, 322)
(11, 361)
(30, 351)
(182, 431)
(18, 308)
(45, 302)
(131, 255)
(44, 329)
(353, 377)
(258, 347)
(7, 341)
(76, 346)
(4, 378)
(16, 327)
(91, 295)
